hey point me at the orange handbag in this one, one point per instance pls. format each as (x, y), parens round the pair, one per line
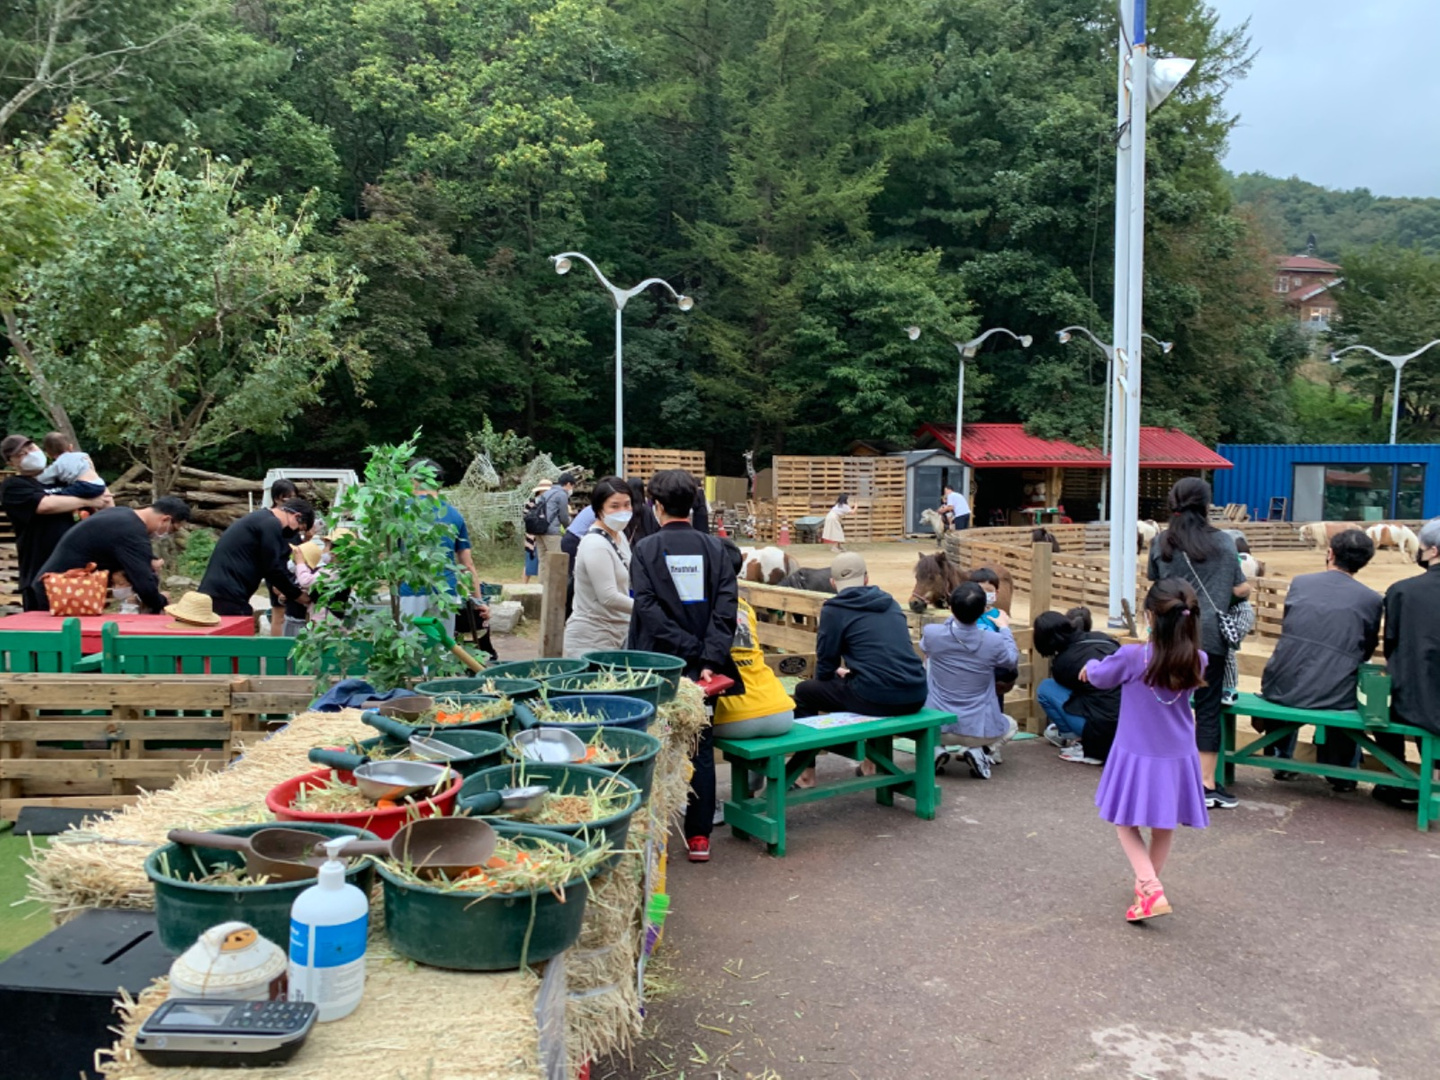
(81, 591)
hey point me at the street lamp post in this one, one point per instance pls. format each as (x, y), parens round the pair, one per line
(563, 262)
(1148, 85)
(968, 349)
(1398, 362)
(1115, 365)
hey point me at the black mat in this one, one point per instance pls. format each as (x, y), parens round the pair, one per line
(48, 820)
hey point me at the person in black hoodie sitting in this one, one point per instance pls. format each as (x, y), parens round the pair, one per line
(1082, 717)
(864, 662)
(686, 600)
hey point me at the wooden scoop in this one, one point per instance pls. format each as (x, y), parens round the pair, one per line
(279, 854)
(434, 845)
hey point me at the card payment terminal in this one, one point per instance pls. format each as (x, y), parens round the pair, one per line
(224, 1033)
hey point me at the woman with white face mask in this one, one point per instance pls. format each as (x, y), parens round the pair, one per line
(601, 617)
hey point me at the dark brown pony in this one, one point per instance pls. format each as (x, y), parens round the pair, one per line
(1045, 536)
(936, 578)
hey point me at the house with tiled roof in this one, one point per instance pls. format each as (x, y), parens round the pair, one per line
(1305, 283)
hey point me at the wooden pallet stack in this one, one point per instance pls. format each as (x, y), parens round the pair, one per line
(808, 486)
(9, 565)
(216, 500)
(644, 462)
(95, 741)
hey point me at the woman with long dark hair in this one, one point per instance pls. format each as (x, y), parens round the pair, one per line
(1196, 552)
(1152, 778)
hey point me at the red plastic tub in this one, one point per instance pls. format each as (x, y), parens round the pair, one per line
(383, 823)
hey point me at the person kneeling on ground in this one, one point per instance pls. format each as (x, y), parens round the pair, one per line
(1083, 718)
(863, 659)
(1331, 626)
(764, 710)
(963, 659)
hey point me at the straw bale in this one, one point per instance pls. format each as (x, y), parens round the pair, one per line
(412, 1024)
(101, 864)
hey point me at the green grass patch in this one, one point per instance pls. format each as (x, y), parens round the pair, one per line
(27, 922)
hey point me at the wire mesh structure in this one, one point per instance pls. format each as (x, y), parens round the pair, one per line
(493, 509)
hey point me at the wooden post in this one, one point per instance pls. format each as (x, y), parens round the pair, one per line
(1040, 579)
(554, 579)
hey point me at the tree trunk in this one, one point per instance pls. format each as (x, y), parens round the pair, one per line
(58, 416)
(162, 467)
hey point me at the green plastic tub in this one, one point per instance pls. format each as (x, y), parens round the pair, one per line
(486, 748)
(184, 910)
(515, 689)
(639, 748)
(535, 669)
(614, 710)
(458, 931)
(652, 686)
(668, 667)
(561, 780)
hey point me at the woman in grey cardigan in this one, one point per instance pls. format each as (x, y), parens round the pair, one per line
(1196, 552)
(601, 616)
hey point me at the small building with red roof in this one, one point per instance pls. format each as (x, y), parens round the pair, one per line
(1305, 283)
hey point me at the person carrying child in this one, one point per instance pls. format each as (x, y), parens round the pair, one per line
(1152, 776)
(70, 472)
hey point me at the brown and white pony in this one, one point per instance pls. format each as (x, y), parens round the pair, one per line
(767, 565)
(936, 578)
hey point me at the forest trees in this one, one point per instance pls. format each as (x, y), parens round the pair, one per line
(817, 174)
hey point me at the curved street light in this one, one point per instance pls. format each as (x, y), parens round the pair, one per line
(1398, 362)
(967, 350)
(564, 262)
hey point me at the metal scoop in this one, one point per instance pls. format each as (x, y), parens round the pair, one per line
(395, 780)
(434, 845)
(549, 744)
(425, 747)
(519, 801)
(279, 854)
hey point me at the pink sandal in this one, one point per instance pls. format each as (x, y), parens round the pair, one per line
(1148, 906)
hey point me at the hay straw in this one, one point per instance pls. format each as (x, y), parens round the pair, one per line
(82, 870)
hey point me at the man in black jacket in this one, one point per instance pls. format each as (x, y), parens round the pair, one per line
(685, 605)
(252, 549)
(117, 539)
(1412, 653)
(1075, 708)
(864, 661)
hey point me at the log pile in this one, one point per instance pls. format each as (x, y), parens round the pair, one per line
(216, 500)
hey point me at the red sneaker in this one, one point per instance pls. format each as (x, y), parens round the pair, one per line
(699, 849)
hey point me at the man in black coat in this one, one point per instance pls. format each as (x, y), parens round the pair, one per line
(1412, 653)
(252, 549)
(685, 605)
(117, 539)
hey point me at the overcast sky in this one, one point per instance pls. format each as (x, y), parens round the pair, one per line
(1344, 93)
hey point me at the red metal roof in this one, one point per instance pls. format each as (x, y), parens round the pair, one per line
(1307, 262)
(1008, 446)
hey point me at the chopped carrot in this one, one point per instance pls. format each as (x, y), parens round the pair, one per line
(385, 804)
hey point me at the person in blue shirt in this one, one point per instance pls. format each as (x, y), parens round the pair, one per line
(415, 599)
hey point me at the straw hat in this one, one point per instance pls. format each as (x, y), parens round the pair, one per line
(543, 485)
(309, 552)
(194, 609)
(339, 534)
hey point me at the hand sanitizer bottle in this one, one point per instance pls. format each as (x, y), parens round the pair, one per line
(328, 925)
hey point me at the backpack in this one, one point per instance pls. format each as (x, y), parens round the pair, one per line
(537, 519)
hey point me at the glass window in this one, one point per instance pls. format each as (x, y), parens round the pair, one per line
(1410, 496)
(1357, 492)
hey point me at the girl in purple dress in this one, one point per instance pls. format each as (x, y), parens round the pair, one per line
(1152, 776)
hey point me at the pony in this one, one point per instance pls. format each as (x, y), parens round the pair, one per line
(936, 578)
(936, 521)
(1251, 567)
(809, 578)
(1045, 536)
(1145, 533)
(767, 565)
(1318, 533)
(1398, 537)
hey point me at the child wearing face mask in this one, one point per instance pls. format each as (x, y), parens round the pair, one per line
(600, 619)
(70, 472)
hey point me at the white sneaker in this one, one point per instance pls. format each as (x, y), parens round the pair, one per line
(1076, 753)
(993, 753)
(979, 762)
(1053, 737)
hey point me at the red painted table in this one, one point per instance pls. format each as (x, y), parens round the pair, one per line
(228, 626)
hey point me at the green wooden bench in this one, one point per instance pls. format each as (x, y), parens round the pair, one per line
(763, 816)
(1372, 717)
(47, 651)
(186, 654)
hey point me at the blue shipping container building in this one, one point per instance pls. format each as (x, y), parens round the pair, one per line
(1355, 482)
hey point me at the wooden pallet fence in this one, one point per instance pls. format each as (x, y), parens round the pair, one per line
(808, 487)
(645, 462)
(96, 741)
